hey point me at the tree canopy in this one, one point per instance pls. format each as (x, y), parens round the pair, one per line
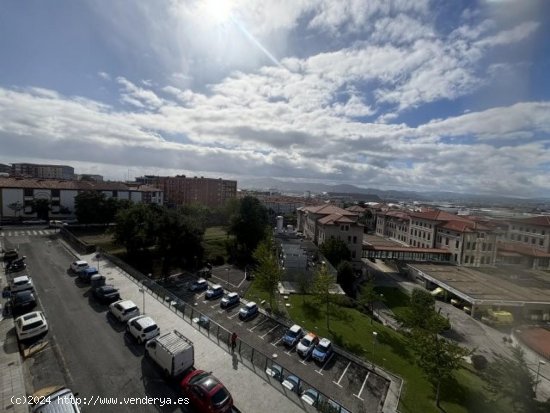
(335, 251)
(267, 273)
(93, 207)
(322, 286)
(248, 224)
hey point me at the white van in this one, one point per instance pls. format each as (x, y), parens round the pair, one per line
(172, 352)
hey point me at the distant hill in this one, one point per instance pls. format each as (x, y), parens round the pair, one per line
(264, 184)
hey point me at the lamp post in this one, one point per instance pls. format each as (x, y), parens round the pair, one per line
(374, 336)
(97, 257)
(538, 373)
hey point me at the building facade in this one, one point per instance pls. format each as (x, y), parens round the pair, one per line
(182, 190)
(18, 195)
(32, 170)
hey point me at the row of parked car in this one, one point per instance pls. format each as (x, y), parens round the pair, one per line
(169, 351)
(307, 344)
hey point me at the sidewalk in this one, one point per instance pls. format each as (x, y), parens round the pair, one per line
(12, 382)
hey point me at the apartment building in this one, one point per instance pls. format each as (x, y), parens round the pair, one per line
(320, 223)
(42, 171)
(17, 195)
(182, 190)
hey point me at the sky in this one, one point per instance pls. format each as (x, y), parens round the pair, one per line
(422, 95)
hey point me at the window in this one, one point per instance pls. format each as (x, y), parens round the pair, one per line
(490, 247)
(429, 236)
(533, 240)
(512, 237)
(541, 242)
(456, 258)
(525, 239)
(468, 245)
(482, 260)
(542, 232)
(353, 254)
(466, 259)
(355, 239)
(483, 247)
(456, 245)
(28, 192)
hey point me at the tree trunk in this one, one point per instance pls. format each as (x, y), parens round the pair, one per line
(328, 327)
(437, 393)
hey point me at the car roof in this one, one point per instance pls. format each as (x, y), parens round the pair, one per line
(90, 269)
(125, 304)
(201, 280)
(325, 342)
(30, 317)
(310, 335)
(144, 321)
(216, 286)
(232, 294)
(251, 304)
(80, 262)
(22, 293)
(21, 278)
(295, 328)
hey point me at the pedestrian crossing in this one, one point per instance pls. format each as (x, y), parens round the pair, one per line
(27, 233)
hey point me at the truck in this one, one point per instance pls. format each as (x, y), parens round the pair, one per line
(172, 352)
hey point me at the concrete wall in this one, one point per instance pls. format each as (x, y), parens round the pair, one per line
(9, 196)
(66, 199)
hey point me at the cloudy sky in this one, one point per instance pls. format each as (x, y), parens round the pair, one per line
(420, 94)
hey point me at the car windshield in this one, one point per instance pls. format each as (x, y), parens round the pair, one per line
(32, 325)
(220, 396)
(198, 377)
(321, 347)
(150, 328)
(291, 333)
(306, 342)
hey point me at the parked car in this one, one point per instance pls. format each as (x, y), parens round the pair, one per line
(293, 335)
(293, 383)
(59, 401)
(307, 344)
(230, 300)
(123, 310)
(276, 372)
(199, 285)
(248, 311)
(322, 350)
(10, 255)
(106, 294)
(23, 282)
(22, 302)
(310, 397)
(77, 266)
(142, 328)
(206, 392)
(213, 292)
(16, 265)
(87, 273)
(30, 325)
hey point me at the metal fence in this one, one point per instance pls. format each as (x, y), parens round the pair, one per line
(302, 393)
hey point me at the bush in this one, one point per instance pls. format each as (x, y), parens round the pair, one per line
(479, 362)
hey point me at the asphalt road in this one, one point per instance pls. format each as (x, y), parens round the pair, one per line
(86, 350)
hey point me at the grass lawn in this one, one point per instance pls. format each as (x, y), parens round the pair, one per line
(214, 243)
(396, 299)
(353, 330)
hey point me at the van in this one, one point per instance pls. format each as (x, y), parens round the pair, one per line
(172, 352)
(59, 401)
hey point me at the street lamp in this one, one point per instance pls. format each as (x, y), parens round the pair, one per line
(97, 257)
(227, 271)
(374, 336)
(538, 373)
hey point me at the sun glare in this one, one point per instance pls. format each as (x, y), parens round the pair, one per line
(218, 11)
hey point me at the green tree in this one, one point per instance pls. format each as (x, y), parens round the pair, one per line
(87, 206)
(322, 287)
(137, 227)
(510, 378)
(367, 296)
(421, 313)
(268, 272)
(42, 208)
(249, 225)
(335, 251)
(346, 276)
(16, 207)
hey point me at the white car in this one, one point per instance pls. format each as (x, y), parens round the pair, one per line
(142, 328)
(307, 344)
(23, 282)
(30, 325)
(123, 310)
(77, 266)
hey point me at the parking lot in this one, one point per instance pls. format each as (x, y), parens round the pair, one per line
(349, 382)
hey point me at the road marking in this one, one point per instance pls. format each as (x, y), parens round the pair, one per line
(257, 325)
(277, 342)
(323, 367)
(34, 233)
(221, 311)
(303, 361)
(43, 232)
(290, 351)
(362, 387)
(29, 233)
(232, 316)
(214, 306)
(201, 295)
(342, 376)
(262, 337)
(1, 234)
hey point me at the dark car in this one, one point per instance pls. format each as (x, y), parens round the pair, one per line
(230, 300)
(206, 392)
(10, 255)
(86, 274)
(22, 302)
(248, 311)
(16, 265)
(199, 285)
(106, 294)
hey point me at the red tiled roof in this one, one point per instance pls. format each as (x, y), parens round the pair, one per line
(356, 208)
(32, 183)
(328, 210)
(522, 249)
(542, 220)
(437, 215)
(335, 219)
(463, 226)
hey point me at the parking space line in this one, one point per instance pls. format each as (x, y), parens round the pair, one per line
(200, 295)
(214, 306)
(221, 311)
(232, 316)
(258, 325)
(323, 366)
(303, 361)
(290, 351)
(262, 337)
(342, 376)
(277, 342)
(362, 387)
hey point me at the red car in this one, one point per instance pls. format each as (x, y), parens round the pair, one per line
(206, 392)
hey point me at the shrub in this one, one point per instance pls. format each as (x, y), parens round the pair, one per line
(479, 362)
